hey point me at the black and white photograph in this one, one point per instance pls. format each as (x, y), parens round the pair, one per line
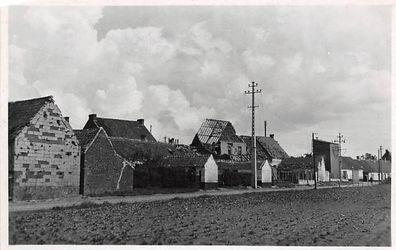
(195, 123)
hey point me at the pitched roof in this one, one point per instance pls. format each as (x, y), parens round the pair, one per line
(85, 136)
(261, 153)
(123, 128)
(272, 147)
(182, 161)
(267, 147)
(132, 149)
(212, 131)
(21, 112)
(295, 163)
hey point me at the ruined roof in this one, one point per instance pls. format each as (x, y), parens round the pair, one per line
(21, 112)
(186, 162)
(212, 131)
(85, 136)
(295, 163)
(133, 150)
(122, 128)
(267, 147)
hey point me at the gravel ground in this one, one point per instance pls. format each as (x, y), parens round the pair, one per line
(324, 217)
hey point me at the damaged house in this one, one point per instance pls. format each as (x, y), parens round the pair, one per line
(166, 165)
(102, 170)
(219, 138)
(44, 156)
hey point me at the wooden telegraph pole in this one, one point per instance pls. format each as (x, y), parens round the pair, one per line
(254, 159)
(313, 159)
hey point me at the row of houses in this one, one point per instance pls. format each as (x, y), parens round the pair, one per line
(48, 158)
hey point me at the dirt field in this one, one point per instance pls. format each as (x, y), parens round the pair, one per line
(326, 217)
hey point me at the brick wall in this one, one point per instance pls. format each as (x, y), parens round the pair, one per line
(45, 158)
(103, 169)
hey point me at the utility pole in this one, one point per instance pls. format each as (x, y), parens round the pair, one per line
(313, 159)
(339, 141)
(265, 128)
(254, 160)
(379, 164)
(380, 159)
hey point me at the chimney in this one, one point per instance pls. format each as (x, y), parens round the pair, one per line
(92, 116)
(66, 118)
(140, 121)
(151, 128)
(272, 136)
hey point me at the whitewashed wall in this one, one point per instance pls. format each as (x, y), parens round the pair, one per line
(211, 171)
(266, 172)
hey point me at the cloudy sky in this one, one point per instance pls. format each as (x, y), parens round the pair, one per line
(323, 69)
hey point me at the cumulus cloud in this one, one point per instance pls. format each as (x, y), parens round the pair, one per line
(322, 69)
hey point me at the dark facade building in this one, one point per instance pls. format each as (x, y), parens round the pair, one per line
(329, 151)
(121, 128)
(44, 156)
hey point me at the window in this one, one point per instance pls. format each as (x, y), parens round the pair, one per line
(344, 175)
(239, 150)
(229, 146)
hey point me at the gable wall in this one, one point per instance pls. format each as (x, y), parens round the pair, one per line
(46, 158)
(102, 168)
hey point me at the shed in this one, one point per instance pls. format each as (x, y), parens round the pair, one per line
(204, 165)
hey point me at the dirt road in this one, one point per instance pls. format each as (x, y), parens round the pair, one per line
(325, 217)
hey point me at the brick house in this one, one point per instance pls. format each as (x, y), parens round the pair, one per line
(121, 128)
(102, 170)
(43, 151)
(220, 139)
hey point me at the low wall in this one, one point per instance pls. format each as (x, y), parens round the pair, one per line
(43, 192)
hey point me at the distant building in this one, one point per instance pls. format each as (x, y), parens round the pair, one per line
(365, 169)
(220, 139)
(44, 156)
(329, 151)
(121, 128)
(387, 156)
(102, 170)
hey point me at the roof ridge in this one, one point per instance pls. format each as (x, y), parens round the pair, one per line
(211, 119)
(50, 97)
(115, 119)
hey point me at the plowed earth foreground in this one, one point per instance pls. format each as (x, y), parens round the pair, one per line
(326, 217)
